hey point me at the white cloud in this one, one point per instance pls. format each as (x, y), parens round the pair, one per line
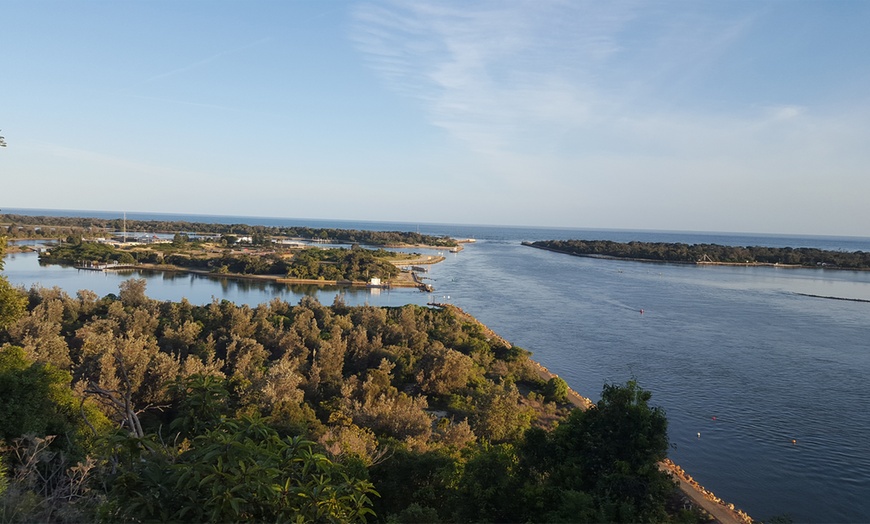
(785, 112)
(491, 75)
(530, 77)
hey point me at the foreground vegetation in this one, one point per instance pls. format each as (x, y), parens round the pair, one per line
(709, 253)
(122, 408)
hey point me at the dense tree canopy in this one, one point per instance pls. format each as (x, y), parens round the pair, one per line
(358, 265)
(306, 412)
(12, 302)
(341, 264)
(710, 253)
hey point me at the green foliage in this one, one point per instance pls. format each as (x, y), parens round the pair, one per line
(202, 404)
(499, 415)
(414, 514)
(385, 391)
(490, 489)
(36, 399)
(686, 253)
(180, 240)
(81, 252)
(12, 304)
(427, 479)
(4, 481)
(340, 264)
(241, 470)
(556, 390)
(611, 452)
(626, 427)
(132, 292)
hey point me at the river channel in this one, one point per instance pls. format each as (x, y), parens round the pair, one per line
(765, 388)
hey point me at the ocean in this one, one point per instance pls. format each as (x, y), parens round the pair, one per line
(765, 388)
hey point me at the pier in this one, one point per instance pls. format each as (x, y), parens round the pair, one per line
(95, 266)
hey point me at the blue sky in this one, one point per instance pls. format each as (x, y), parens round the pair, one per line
(745, 116)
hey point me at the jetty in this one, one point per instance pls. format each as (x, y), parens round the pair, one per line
(98, 266)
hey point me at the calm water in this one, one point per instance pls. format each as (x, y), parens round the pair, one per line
(735, 354)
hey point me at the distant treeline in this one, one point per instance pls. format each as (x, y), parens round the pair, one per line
(19, 226)
(710, 253)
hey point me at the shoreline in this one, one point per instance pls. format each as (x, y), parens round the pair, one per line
(404, 279)
(775, 265)
(693, 493)
(276, 279)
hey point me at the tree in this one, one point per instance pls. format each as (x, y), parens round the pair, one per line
(556, 390)
(4, 482)
(13, 304)
(36, 399)
(490, 488)
(180, 240)
(241, 470)
(611, 451)
(202, 402)
(444, 371)
(132, 292)
(427, 479)
(12, 301)
(123, 368)
(499, 416)
(39, 333)
(626, 428)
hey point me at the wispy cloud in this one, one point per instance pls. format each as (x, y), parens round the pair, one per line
(521, 76)
(487, 72)
(207, 60)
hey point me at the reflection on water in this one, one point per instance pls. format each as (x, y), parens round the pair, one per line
(25, 269)
(734, 343)
(733, 353)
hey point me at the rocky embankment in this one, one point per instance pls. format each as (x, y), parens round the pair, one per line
(694, 494)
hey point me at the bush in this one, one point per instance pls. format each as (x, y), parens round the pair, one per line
(556, 390)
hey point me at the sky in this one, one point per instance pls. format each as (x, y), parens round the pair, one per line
(737, 116)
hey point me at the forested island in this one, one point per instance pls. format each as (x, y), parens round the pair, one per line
(235, 250)
(297, 262)
(123, 408)
(709, 253)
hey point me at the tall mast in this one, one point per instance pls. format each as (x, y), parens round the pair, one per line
(125, 227)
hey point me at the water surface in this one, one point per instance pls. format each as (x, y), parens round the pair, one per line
(737, 354)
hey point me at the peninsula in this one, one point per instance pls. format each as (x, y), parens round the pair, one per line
(709, 254)
(290, 255)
